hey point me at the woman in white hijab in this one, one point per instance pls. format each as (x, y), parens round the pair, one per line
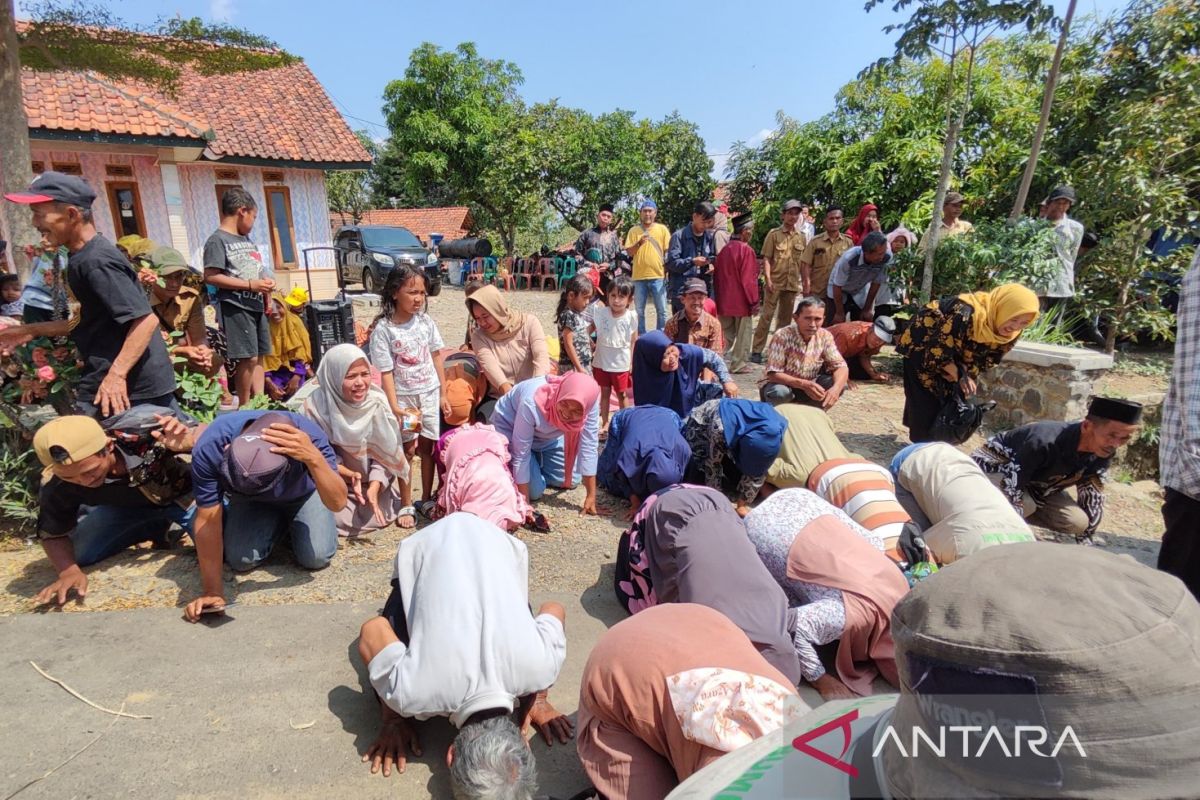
(363, 431)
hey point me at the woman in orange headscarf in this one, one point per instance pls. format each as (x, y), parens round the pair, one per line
(952, 341)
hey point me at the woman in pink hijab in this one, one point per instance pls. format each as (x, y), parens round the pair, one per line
(476, 478)
(552, 425)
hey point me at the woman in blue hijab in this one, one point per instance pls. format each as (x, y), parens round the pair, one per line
(645, 452)
(734, 443)
(668, 374)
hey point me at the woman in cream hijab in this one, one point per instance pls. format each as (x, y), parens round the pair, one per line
(510, 345)
(359, 422)
(952, 341)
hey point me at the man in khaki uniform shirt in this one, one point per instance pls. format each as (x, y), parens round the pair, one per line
(816, 265)
(781, 252)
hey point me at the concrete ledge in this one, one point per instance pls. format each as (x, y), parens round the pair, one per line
(1038, 354)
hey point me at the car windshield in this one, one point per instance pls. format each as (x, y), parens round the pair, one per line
(389, 237)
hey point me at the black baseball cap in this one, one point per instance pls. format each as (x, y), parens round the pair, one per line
(55, 187)
(249, 467)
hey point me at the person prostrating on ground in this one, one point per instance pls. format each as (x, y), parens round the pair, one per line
(404, 349)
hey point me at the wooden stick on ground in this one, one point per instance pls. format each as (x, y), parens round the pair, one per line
(78, 696)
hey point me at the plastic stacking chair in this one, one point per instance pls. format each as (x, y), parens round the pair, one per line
(475, 272)
(489, 270)
(547, 271)
(523, 272)
(505, 274)
(567, 271)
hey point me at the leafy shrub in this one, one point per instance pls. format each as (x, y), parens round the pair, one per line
(992, 254)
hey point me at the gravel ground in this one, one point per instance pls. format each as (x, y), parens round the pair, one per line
(576, 556)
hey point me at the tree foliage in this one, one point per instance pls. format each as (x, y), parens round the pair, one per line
(456, 121)
(462, 133)
(1123, 131)
(350, 192)
(1144, 169)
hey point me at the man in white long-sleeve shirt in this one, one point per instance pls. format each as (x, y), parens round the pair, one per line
(456, 638)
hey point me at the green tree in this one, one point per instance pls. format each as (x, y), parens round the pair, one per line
(681, 172)
(1144, 171)
(457, 121)
(86, 37)
(885, 138)
(954, 29)
(350, 191)
(587, 161)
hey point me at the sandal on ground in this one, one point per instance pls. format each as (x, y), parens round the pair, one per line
(425, 508)
(411, 513)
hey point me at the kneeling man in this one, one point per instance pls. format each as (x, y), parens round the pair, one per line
(803, 362)
(257, 475)
(1035, 464)
(108, 487)
(456, 638)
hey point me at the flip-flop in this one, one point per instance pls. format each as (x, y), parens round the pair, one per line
(539, 523)
(411, 513)
(425, 508)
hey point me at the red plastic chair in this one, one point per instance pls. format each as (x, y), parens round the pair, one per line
(523, 272)
(547, 271)
(504, 274)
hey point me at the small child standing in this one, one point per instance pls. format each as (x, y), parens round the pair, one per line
(574, 340)
(404, 349)
(616, 333)
(11, 304)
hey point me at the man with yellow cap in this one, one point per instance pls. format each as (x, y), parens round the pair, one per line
(180, 311)
(126, 473)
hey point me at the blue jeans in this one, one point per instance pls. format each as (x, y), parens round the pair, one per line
(547, 468)
(105, 531)
(252, 526)
(641, 290)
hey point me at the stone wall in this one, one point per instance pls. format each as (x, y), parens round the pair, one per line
(1041, 382)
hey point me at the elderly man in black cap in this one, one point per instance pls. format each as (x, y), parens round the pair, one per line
(1068, 238)
(1035, 464)
(258, 475)
(125, 360)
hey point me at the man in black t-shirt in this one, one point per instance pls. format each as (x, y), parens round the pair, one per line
(124, 359)
(234, 266)
(128, 477)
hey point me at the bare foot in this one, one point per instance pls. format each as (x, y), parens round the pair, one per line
(833, 689)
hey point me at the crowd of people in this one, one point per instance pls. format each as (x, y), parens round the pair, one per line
(756, 538)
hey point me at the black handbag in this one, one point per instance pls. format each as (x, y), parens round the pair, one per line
(958, 418)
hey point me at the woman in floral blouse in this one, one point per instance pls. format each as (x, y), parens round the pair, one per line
(953, 341)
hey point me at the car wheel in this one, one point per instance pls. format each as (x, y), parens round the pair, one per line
(368, 281)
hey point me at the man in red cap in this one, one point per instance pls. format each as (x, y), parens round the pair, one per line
(124, 359)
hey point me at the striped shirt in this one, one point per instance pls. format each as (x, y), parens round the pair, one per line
(863, 490)
(1179, 441)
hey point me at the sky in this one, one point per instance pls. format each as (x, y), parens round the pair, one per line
(728, 66)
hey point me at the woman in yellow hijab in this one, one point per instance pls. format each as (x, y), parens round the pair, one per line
(290, 363)
(952, 341)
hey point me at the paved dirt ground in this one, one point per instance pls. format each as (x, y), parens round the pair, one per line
(575, 557)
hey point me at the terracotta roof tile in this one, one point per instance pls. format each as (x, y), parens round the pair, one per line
(453, 222)
(278, 114)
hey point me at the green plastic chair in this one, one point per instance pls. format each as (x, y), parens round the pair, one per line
(489, 270)
(566, 270)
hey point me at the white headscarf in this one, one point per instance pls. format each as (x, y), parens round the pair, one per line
(367, 430)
